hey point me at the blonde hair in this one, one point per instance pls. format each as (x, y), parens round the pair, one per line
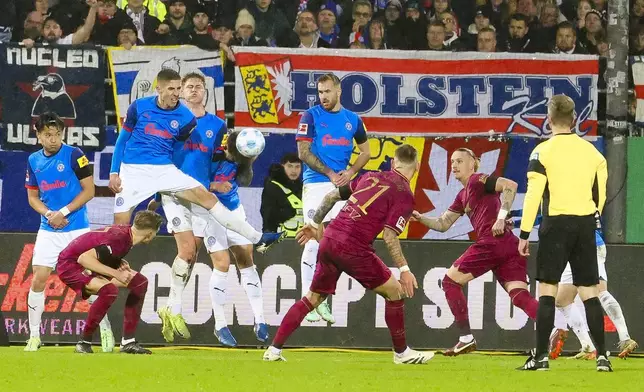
(477, 161)
(561, 110)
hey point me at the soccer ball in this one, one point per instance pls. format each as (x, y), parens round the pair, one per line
(250, 142)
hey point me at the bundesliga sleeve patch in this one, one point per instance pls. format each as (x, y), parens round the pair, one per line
(82, 161)
(302, 129)
(401, 223)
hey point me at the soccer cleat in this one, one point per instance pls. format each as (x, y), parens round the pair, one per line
(603, 364)
(83, 348)
(107, 340)
(324, 312)
(179, 326)
(134, 348)
(533, 362)
(626, 347)
(312, 317)
(271, 356)
(167, 330)
(226, 337)
(33, 344)
(461, 348)
(586, 353)
(413, 357)
(261, 332)
(268, 240)
(557, 341)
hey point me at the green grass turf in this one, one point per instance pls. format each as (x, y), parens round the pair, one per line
(179, 370)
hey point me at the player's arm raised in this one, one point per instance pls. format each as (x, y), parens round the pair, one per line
(92, 261)
(508, 190)
(442, 223)
(407, 279)
(83, 33)
(360, 138)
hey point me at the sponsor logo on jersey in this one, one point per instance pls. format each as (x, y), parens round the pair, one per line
(48, 186)
(151, 129)
(328, 140)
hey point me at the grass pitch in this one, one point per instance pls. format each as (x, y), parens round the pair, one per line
(179, 370)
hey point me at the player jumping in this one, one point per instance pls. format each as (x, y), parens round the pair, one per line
(142, 162)
(376, 202)
(325, 138)
(494, 250)
(93, 264)
(59, 184)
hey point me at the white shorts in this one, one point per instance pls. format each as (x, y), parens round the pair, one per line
(49, 244)
(223, 238)
(566, 277)
(142, 181)
(312, 196)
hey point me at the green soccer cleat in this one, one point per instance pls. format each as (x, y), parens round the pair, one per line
(107, 340)
(179, 325)
(33, 344)
(167, 330)
(312, 317)
(324, 312)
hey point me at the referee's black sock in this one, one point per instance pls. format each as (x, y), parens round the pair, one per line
(595, 319)
(545, 323)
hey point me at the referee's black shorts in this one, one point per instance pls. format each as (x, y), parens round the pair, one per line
(563, 239)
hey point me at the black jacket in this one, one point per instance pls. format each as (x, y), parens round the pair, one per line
(276, 209)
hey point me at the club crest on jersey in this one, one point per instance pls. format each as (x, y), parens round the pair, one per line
(348, 126)
(302, 129)
(212, 241)
(176, 221)
(174, 124)
(120, 201)
(209, 134)
(60, 167)
(311, 214)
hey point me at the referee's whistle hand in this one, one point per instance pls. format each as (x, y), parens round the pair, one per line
(524, 247)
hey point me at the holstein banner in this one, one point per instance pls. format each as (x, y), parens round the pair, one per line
(68, 80)
(417, 93)
(359, 314)
(134, 73)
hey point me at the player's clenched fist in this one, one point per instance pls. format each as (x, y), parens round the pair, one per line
(115, 183)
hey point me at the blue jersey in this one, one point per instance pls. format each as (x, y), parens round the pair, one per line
(57, 178)
(226, 170)
(153, 132)
(194, 157)
(331, 135)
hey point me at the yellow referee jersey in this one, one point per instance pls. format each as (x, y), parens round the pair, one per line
(569, 174)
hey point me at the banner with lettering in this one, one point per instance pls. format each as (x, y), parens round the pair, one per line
(68, 80)
(417, 93)
(134, 73)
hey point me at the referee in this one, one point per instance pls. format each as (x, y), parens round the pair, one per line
(567, 176)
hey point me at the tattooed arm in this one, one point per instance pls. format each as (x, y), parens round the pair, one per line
(305, 154)
(508, 189)
(393, 246)
(327, 204)
(442, 223)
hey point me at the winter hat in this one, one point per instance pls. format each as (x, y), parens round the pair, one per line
(244, 18)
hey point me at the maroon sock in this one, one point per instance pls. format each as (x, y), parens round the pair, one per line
(106, 297)
(395, 319)
(458, 304)
(292, 321)
(138, 287)
(522, 299)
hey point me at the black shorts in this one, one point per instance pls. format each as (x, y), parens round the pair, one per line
(564, 239)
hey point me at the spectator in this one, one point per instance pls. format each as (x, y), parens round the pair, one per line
(481, 20)
(223, 30)
(177, 27)
(566, 40)
(245, 31)
(498, 12)
(376, 35)
(395, 25)
(355, 30)
(451, 31)
(146, 24)
(528, 8)
(270, 22)
(155, 8)
(486, 40)
(440, 6)
(601, 6)
(549, 20)
(69, 14)
(519, 41)
(53, 34)
(281, 207)
(7, 19)
(436, 36)
(593, 27)
(357, 45)
(327, 24)
(201, 37)
(128, 36)
(415, 26)
(637, 14)
(602, 47)
(32, 27)
(583, 6)
(110, 21)
(637, 41)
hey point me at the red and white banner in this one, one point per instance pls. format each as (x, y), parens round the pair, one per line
(638, 80)
(416, 93)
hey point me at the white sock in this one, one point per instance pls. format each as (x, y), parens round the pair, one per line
(218, 283)
(576, 322)
(307, 266)
(253, 287)
(180, 275)
(234, 222)
(127, 341)
(105, 323)
(36, 303)
(466, 338)
(614, 311)
(560, 319)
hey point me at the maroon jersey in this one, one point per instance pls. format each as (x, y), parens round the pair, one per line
(480, 204)
(117, 240)
(378, 200)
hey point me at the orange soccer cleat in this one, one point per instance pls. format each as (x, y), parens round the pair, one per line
(557, 341)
